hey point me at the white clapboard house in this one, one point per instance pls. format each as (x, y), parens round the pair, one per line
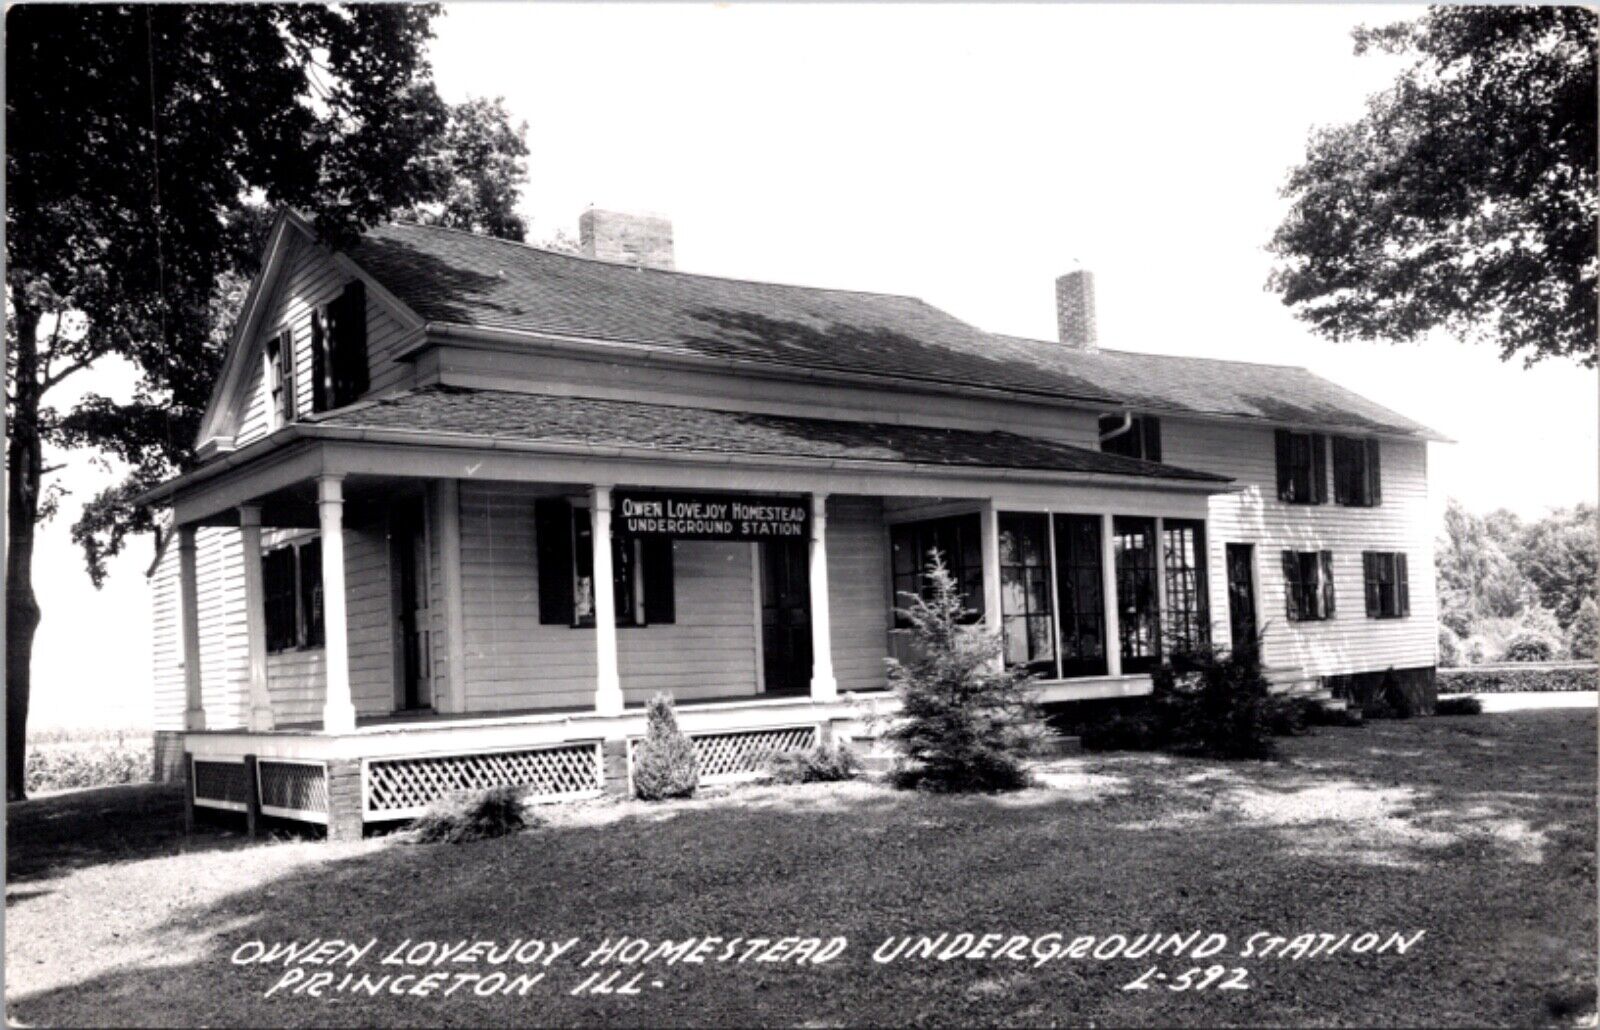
(465, 505)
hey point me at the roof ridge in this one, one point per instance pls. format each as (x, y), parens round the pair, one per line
(665, 271)
(1154, 354)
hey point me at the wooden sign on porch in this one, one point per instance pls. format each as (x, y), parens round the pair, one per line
(688, 515)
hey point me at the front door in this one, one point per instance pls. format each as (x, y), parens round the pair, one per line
(409, 541)
(785, 616)
(1242, 594)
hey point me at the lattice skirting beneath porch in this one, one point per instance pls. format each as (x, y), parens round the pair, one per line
(223, 785)
(728, 757)
(402, 788)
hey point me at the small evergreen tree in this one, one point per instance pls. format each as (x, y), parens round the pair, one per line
(967, 722)
(664, 764)
(1215, 702)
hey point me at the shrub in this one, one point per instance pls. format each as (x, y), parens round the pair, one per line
(1507, 679)
(1583, 632)
(664, 764)
(1464, 705)
(1122, 731)
(1450, 646)
(1213, 702)
(1530, 647)
(821, 764)
(967, 721)
(91, 760)
(476, 815)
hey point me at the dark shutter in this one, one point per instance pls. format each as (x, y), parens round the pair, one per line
(1327, 584)
(1292, 587)
(1285, 462)
(660, 604)
(1341, 471)
(1374, 475)
(1152, 438)
(1402, 585)
(552, 519)
(1369, 578)
(278, 601)
(1319, 469)
(286, 370)
(311, 603)
(349, 332)
(319, 360)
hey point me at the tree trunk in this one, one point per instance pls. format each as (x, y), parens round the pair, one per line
(24, 472)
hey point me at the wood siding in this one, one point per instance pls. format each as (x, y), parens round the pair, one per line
(513, 661)
(310, 278)
(1350, 641)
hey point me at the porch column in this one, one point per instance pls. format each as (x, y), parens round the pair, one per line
(1108, 587)
(824, 687)
(194, 709)
(989, 540)
(1161, 586)
(255, 618)
(338, 711)
(608, 685)
(447, 497)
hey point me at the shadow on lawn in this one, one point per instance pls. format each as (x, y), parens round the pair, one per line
(861, 861)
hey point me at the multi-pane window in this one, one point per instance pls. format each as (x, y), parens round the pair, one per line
(1357, 480)
(958, 540)
(1134, 545)
(642, 584)
(1308, 585)
(1187, 617)
(1025, 606)
(1080, 596)
(292, 595)
(1142, 438)
(1302, 467)
(1388, 587)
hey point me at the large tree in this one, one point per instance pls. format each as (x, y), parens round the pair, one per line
(143, 146)
(1465, 198)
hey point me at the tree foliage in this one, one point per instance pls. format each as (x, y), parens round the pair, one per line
(967, 721)
(145, 148)
(1465, 198)
(479, 164)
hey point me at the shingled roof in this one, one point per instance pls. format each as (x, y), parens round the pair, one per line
(494, 415)
(461, 278)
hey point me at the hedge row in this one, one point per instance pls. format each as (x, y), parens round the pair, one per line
(81, 764)
(1504, 680)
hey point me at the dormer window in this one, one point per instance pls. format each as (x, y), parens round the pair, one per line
(339, 349)
(1141, 438)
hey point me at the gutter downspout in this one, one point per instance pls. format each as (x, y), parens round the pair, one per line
(1127, 424)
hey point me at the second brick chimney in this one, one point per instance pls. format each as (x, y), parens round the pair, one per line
(1075, 310)
(628, 239)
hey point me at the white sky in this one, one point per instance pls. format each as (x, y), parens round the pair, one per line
(966, 155)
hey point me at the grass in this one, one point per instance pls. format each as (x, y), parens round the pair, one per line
(1479, 831)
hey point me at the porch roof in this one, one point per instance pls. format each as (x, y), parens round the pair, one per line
(495, 415)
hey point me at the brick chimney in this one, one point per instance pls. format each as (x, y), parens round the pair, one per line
(1075, 310)
(628, 239)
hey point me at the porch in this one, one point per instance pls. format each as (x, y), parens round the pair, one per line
(423, 614)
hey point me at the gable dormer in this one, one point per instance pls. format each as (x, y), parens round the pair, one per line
(316, 333)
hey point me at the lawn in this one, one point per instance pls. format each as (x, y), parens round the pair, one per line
(1479, 831)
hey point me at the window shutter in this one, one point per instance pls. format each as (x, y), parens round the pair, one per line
(286, 374)
(660, 604)
(1369, 579)
(1374, 475)
(311, 603)
(1152, 438)
(1285, 479)
(1292, 587)
(349, 332)
(1402, 588)
(319, 360)
(1341, 471)
(1327, 584)
(552, 518)
(277, 582)
(1319, 469)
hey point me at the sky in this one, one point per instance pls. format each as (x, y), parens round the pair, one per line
(967, 155)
